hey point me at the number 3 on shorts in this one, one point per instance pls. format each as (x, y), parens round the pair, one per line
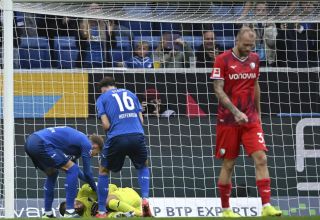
(261, 139)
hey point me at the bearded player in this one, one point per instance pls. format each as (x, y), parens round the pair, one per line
(236, 86)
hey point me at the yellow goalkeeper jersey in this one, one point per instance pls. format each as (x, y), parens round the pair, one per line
(127, 195)
(87, 197)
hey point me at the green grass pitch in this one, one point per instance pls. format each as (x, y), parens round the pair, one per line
(218, 218)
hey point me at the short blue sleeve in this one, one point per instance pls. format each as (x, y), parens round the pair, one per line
(100, 107)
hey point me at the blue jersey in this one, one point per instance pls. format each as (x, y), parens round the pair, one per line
(72, 143)
(138, 62)
(122, 108)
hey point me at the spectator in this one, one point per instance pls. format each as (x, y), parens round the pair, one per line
(152, 106)
(173, 52)
(295, 47)
(121, 31)
(140, 58)
(100, 32)
(50, 26)
(312, 31)
(207, 51)
(266, 36)
(26, 25)
(266, 33)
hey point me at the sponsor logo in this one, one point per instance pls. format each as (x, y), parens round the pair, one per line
(237, 76)
(216, 72)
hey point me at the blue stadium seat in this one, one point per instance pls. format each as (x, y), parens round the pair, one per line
(118, 55)
(194, 41)
(224, 29)
(66, 52)
(152, 40)
(224, 43)
(138, 28)
(169, 27)
(123, 42)
(34, 53)
(94, 55)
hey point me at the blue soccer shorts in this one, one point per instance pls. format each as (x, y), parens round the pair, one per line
(44, 156)
(117, 148)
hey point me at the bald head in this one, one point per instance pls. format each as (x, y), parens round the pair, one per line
(245, 41)
(246, 32)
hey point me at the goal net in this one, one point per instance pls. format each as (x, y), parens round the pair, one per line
(163, 51)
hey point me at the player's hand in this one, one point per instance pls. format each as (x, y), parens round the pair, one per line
(241, 118)
(94, 209)
(179, 41)
(144, 106)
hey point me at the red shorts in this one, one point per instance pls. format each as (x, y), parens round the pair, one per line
(229, 139)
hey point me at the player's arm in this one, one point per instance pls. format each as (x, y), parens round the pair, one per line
(139, 109)
(87, 171)
(86, 162)
(102, 114)
(141, 117)
(218, 85)
(257, 98)
(105, 122)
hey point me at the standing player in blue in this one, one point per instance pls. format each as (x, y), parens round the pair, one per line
(54, 148)
(121, 117)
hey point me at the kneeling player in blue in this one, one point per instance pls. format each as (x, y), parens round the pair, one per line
(54, 148)
(121, 117)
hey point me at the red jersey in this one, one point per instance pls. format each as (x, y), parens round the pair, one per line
(239, 78)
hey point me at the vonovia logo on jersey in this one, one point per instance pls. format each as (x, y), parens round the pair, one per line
(252, 65)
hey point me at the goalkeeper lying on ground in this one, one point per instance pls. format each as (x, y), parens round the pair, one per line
(121, 202)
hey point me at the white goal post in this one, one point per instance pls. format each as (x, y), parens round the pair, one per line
(51, 90)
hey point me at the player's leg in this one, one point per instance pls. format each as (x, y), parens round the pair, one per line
(112, 159)
(115, 204)
(35, 148)
(71, 188)
(227, 148)
(225, 187)
(52, 175)
(138, 153)
(103, 182)
(254, 144)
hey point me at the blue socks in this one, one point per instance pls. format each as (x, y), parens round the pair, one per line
(143, 178)
(71, 186)
(49, 191)
(103, 184)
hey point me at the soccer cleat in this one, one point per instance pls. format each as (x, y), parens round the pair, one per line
(146, 211)
(270, 211)
(230, 214)
(71, 215)
(48, 216)
(104, 215)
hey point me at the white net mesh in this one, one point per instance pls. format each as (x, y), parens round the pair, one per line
(63, 49)
(184, 12)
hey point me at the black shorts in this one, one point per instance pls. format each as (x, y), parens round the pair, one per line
(117, 148)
